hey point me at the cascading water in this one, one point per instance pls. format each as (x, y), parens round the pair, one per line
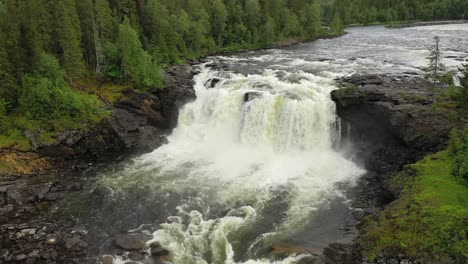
(254, 161)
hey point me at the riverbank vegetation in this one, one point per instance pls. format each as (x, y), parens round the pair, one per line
(48, 49)
(428, 220)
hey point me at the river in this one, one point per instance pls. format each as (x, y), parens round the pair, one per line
(254, 163)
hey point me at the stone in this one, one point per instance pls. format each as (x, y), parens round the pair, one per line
(338, 253)
(155, 244)
(309, 260)
(249, 96)
(72, 242)
(211, 83)
(28, 232)
(159, 251)
(51, 239)
(20, 257)
(107, 260)
(34, 254)
(135, 256)
(129, 242)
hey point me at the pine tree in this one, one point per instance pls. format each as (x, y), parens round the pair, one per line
(8, 83)
(435, 66)
(68, 37)
(136, 64)
(313, 20)
(85, 13)
(336, 25)
(218, 21)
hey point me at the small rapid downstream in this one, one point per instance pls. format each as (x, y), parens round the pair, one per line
(255, 162)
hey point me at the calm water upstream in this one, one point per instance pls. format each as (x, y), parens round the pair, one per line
(251, 163)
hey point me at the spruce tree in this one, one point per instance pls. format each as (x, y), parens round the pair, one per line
(68, 37)
(137, 65)
(435, 66)
(313, 20)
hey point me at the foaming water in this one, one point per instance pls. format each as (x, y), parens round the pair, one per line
(249, 145)
(251, 163)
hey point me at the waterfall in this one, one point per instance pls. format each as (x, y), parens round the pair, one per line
(254, 158)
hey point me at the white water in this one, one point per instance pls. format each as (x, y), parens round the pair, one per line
(241, 155)
(255, 173)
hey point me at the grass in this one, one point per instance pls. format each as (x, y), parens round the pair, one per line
(24, 133)
(344, 92)
(428, 222)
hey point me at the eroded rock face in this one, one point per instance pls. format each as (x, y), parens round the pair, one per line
(138, 123)
(32, 191)
(381, 112)
(386, 123)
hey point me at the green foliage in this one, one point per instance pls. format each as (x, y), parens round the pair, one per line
(366, 12)
(137, 65)
(459, 151)
(46, 105)
(336, 26)
(427, 221)
(435, 68)
(463, 96)
(3, 115)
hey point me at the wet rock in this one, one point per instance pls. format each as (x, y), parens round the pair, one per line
(72, 242)
(107, 260)
(20, 257)
(211, 83)
(159, 251)
(51, 239)
(136, 256)
(380, 112)
(249, 96)
(155, 244)
(338, 253)
(34, 254)
(309, 260)
(129, 242)
(28, 232)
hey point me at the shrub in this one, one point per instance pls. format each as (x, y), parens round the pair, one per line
(459, 150)
(3, 115)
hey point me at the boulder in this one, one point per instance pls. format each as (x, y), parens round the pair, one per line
(129, 242)
(107, 260)
(338, 253)
(211, 83)
(249, 96)
(135, 256)
(159, 251)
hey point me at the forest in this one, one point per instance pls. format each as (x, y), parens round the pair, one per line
(48, 46)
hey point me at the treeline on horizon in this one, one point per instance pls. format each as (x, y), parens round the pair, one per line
(370, 11)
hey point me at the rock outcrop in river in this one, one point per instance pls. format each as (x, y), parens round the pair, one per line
(392, 114)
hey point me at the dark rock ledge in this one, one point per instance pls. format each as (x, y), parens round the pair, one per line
(386, 122)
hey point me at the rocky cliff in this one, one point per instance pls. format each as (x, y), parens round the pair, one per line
(388, 122)
(395, 116)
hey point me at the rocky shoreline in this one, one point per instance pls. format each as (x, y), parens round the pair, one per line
(428, 23)
(389, 122)
(29, 233)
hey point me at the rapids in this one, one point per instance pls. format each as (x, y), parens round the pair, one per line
(254, 162)
(241, 155)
